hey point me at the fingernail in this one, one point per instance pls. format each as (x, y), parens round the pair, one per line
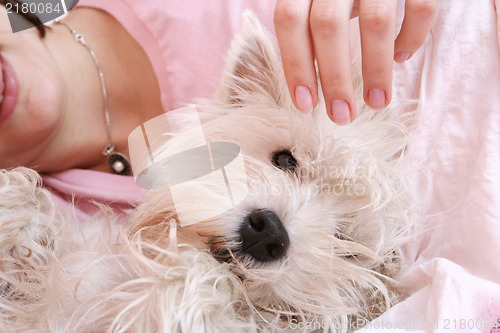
(401, 56)
(376, 98)
(303, 98)
(341, 113)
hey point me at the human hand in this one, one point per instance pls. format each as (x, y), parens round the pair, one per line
(319, 29)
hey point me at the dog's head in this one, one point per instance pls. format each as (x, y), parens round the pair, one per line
(327, 206)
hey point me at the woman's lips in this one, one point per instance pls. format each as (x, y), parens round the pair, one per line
(10, 90)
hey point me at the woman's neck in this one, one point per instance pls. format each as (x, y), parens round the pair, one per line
(133, 91)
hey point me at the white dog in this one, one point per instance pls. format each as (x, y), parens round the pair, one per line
(312, 247)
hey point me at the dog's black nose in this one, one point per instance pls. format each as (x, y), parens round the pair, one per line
(263, 236)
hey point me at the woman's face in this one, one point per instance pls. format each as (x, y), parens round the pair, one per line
(32, 103)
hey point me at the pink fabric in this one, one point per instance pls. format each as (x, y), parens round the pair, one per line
(84, 188)
(454, 284)
(187, 41)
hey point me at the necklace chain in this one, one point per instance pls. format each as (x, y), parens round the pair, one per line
(117, 162)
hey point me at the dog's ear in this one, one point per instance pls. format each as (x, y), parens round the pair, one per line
(253, 70)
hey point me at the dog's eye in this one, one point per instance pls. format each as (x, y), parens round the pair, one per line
(284, 160)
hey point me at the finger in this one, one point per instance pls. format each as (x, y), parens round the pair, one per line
(355, 9)
(377, 21)
(330, 33)
(419, 16)
(291, 19)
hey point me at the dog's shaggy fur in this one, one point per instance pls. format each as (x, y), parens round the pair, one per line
(345, 207)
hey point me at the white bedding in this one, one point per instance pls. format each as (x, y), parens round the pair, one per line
(454, 283)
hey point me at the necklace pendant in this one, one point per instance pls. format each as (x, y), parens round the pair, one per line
(119, 164)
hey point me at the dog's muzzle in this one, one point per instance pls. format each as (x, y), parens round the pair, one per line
(263, 236)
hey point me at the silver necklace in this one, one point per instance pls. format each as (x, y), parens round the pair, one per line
(117, 162)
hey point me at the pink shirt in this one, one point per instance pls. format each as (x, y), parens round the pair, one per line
(186, 42)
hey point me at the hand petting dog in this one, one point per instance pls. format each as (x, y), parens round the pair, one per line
(318, 30)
